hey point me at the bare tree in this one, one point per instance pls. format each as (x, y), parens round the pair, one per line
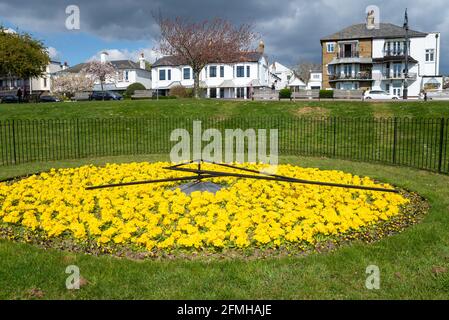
(304, 69)
(197, 44)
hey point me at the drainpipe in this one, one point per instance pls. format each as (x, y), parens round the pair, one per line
(436, 54)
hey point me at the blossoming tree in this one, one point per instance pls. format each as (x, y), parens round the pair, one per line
(197, 44)
(70, 83)
(100, 71)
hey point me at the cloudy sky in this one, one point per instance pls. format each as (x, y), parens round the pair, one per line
(291, 29)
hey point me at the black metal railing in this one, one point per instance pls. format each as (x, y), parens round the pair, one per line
(413, 142)
(363, 75)
(348, 54)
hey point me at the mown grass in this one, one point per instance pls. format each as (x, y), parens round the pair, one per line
(413, 264)
(341, 129)
(222, 108)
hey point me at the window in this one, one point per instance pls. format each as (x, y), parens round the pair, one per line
(45, 82)
(240, 92)
(330, 47)
(240, 71)
(397, 70)
(169, 74)
(222, 71)
(248, 71)
(161, 74)
(186, 73)
(126, 75)
(213, 71)
(430, 55)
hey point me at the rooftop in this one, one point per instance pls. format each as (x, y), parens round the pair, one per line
(118, 64)
(385, 31)
(171, 61)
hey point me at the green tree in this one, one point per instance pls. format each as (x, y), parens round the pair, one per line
(21, 56)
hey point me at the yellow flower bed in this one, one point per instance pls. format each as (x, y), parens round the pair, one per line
(245, 213)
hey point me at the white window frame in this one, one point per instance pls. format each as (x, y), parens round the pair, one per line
(183, 73)
(430, 55)
(330, 47)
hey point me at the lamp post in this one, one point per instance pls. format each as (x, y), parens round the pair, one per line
(406, 57)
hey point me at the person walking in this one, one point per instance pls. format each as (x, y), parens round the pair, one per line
(19, 95)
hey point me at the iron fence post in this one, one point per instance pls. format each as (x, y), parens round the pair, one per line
(14, 141)
(395, 138)
(440, 157)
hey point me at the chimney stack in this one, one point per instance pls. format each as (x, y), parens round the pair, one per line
(142, 61)
(261, 48)
(103, 57)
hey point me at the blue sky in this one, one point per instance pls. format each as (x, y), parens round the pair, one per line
(291, 29)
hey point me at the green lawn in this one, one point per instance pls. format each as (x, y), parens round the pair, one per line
(413, 264)
(221, 108)
(340, 129)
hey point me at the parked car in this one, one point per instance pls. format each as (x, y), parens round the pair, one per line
(105, 95)
(48, 99)
(380, 95)
(9, 98)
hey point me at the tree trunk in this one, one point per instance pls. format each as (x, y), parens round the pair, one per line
(102, 90)
(196, 84)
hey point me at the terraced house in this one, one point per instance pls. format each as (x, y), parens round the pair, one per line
(369, 57)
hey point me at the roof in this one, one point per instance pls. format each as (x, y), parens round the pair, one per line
(118, 64)
(172, 61)
(385, 31)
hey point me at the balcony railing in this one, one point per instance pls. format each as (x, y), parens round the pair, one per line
(394, 53)
(364, 75)
(400, 75)
(345, 54)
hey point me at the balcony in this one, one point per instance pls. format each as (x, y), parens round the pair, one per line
(399, 76)
(360, 76)
(394, 53)
(348, 54)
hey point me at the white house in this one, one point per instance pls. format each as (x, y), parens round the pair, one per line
(33, 85)
(280, 76)
(367, 56)
(127, 73)
(316, 78)
(220, 80)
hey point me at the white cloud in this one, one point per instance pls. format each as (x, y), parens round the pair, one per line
(53, 53)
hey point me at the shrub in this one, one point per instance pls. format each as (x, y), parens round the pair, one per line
(132, 88)
(285, 93)
(326, 94)
(181, 92)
